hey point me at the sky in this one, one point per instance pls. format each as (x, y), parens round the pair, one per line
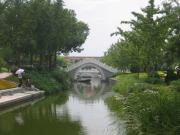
(103, 17)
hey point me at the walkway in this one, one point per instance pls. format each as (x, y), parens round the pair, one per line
(5, 75)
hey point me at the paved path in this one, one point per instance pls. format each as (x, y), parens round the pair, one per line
(12, 96)
(5, 75)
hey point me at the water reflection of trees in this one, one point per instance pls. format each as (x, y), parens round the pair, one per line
(41, 118)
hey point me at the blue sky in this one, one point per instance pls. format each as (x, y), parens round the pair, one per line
(103, 17)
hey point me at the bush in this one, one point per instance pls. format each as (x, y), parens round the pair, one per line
(153, 80)
(43, 81)
(2, 63)
(61, 61)
(62, 77)
(170, 76)
(149, 112)
(148, 109)
(158, 112)
(176, 85)
(50, 82)
(134, 69)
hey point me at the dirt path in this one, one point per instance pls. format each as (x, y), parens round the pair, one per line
(5, 75)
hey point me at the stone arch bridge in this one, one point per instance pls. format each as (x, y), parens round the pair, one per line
(91, 67)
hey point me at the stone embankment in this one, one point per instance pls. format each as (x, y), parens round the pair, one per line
(15, 96)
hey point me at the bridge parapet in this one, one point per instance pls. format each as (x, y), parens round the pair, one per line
(93, 61)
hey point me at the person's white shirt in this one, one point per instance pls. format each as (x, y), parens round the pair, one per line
(20, 73)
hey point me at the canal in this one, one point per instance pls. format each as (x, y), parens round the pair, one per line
(79, 111)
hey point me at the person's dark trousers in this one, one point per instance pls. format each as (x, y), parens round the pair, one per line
(20, 82)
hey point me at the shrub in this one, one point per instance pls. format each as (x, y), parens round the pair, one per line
(170, 76)
(134, 69)
(62, 77)
(176, 85)
(153, 80)
(2, 63)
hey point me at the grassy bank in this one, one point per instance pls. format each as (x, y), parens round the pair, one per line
(50, 82)
(148, 109)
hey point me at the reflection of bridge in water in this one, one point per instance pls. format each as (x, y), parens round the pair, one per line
(90, 68)
(92, 91)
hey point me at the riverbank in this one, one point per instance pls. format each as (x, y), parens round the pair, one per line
(43, 82)
(11, 97)
(147, 108)
(48, 81)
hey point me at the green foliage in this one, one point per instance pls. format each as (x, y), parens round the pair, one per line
(44, 81)
(61, 61)
(152, 42)
(127, 82)
(170, 76)
(149, 106)
(148, 109)
(157, 112)
(176, 85)
(62, 77)
(154, 80)
(35, 30)
(115, 105)
(49, 82)
(2, 63)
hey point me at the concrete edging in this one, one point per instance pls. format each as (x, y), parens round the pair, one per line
(16, 96)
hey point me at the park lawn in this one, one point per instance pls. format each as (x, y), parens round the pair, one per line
(4, 84)
(130, 80)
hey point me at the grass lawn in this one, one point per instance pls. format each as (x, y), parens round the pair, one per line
(130, 80)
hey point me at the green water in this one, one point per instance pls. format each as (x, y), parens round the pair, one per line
(80, 111)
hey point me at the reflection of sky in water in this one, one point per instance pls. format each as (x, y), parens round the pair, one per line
(19, 119)
(94, 116)
(66, 114)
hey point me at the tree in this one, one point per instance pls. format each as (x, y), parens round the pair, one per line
(146, 40)
(35, 30)
(172, 20)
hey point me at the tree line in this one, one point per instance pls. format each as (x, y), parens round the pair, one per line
(153, 43)
(33, 32)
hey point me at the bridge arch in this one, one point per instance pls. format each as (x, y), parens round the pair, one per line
(90, 65)
(105, 70)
